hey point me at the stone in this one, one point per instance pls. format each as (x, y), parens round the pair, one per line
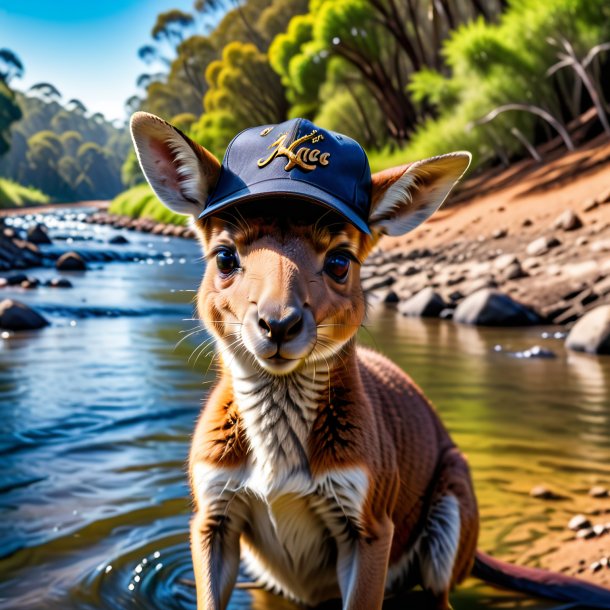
(602, 287)
(605, 196)
(599, 529)
(499, 233)
(71, 261)
(37, 234)
(542, 245)
(427, 303)
(59, 282)
(446, 314)
(16, 279)
(488, 307)
(589, 204)
(528, 222)
(374, 283)
(602, 245)
(585, 533)
(390, 297)
(409, 269)
(504, 261)
(578, 522)
(568, 221)
(514, 272)
(598, 492)
(30, 283)
(542, 492)
(118, 240)
(569, 315)
(15, 315)
(591, 333)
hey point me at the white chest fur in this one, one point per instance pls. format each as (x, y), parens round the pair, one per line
(292, 521)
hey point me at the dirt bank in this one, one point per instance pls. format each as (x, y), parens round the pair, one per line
(484, 236)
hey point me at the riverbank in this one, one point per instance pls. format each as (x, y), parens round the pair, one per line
(538, 233)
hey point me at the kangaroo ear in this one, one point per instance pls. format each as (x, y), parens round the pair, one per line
(403, 197)
(180, 171)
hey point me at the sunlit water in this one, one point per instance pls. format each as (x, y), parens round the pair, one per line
(97, 411)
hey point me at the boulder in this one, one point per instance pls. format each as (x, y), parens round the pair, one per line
(18, 316)
(118, 240)
(37, 234)
(542, 245)
(16, 279)
(592, 332)
(59, 282)
(568, 221)
(71, 261)
(427, 303)
(489, 307)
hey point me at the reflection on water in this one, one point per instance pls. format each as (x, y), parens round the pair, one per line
(97, 414)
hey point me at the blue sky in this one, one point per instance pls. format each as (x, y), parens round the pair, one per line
(86, 48)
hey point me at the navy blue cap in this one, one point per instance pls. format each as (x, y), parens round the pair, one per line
(299, 160)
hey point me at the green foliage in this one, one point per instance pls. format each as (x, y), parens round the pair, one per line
(9, 114)
(47, 149)
(140, 202)
(15, 195)
(500, 63)
(243, 91)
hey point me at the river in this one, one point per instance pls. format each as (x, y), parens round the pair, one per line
(97, 411)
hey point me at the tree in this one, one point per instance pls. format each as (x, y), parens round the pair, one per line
(10, 66)
(9, 114)
(171, 25)
(77, 106)
(47, 91)
(243, 90)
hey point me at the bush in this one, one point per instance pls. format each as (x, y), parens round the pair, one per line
(140, 202)
(15, 195)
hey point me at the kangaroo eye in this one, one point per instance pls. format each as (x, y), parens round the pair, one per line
(337, 267)
(226, 261)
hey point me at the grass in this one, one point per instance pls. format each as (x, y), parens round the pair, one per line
(13, 195)
(140, 202)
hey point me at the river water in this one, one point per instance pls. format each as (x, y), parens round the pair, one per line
(96, 413)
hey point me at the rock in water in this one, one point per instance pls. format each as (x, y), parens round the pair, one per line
(118, 240)
(38, 235)
(71, 261)
(427, 303)
(489, 307)
(18, 316)
(592, 332)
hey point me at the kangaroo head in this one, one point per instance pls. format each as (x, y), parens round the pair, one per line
(281, 289)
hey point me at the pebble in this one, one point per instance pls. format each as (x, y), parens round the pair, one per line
(499, 233)
(599, 530)
(598, 492)
(585, 534)
(542, 245)
(579, 522)
(589, 204)
(595, 566)
(568, 221)
(543, 493)
(528, 222)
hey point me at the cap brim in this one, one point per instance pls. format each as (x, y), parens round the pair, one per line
(312, 194)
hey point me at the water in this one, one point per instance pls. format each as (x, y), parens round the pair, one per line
(97, 412)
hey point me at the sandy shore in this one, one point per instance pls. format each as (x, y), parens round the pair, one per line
(45, 209)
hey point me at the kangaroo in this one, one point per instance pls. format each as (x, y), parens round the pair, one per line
(319, 464)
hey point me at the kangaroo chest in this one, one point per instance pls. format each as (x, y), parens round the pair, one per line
(294, 516)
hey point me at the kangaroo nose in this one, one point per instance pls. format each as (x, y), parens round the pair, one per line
(282, 329)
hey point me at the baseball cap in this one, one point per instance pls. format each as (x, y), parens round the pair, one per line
(299, 160)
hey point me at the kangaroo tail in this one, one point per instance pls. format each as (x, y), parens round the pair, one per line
(540, 583)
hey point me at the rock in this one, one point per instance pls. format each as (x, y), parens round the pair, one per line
(15, 315)
(37, 234)
(427, 304)
(582, 241)
(504, 261)
(579, 522)
(602, 245)
(488, 307)
(542, 245)
(59, 282)
(390, 297)
(409, 269)
(446, 314)
(16, 279)
(375, 283)
(599, 529)
(499, 233)
(569, 315)
(542, 492)
(528, 222)
(585, 533)
(598, 492)
(589, 204)
(568, 221)
(605, 196)
(30, 283)
(118, 240)
(514, 272)
(595, 566)
(71, 261)
(602, 288)
(592, 332)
